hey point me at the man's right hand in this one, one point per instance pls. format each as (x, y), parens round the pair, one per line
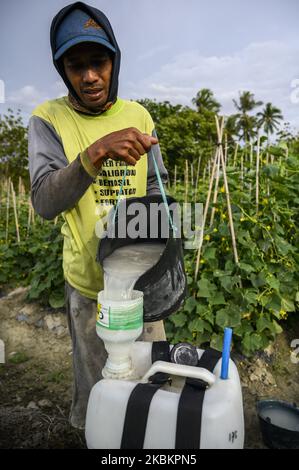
(127, 145)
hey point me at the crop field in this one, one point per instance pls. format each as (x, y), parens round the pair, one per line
(243, 273)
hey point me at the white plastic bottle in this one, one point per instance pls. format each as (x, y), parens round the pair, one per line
(119, 324)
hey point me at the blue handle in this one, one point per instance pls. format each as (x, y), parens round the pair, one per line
(162, 191)
(226, 353)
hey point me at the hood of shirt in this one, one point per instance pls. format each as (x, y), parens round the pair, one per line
(102, 21)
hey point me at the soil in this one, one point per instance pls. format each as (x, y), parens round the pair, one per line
(36, 378)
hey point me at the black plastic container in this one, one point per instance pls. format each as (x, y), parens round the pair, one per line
(279, 423)
(164, 285)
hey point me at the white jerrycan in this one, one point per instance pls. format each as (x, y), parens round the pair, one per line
(222, 421)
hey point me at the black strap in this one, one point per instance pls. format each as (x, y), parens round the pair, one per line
(188, 429)
(189, 410)
(209, 359)
(137, 411)
(160, 351)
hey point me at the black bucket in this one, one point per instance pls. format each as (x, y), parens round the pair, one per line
(279, 423)
(164, 285)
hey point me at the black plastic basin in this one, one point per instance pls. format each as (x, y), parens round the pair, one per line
(279, 423)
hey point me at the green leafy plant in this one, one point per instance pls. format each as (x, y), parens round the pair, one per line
(36, 260)
(257, 295)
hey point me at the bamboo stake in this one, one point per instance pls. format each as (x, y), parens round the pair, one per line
(1, 192)
(268, 160)
(186, 180)
(250, 165)
(192, 175)
(215, 191)
(4, 188)
(281, 172)
(19, 194)
(29, 216)
(257, 174)
(268, 183)
(251, 155)
(197, 173)
(22, 188)
(15, 211)
(230, 215)
(205, 215)
(235, 154)
(208, 202)
(175, 171)
(55, 220)
(7, 209)
(225, 149)
(242, 170)
(204, 173)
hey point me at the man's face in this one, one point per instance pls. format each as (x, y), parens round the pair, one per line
(88, 66)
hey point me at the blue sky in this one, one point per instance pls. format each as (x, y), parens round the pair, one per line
(170, 49)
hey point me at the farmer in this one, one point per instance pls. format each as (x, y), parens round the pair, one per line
(76, 144)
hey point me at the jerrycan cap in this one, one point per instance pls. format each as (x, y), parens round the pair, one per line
(184, 353)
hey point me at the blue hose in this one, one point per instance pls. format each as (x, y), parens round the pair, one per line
(226, 353)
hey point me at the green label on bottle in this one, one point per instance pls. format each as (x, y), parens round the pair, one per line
(125, 318)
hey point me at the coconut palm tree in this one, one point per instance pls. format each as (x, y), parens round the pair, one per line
(246, 126)
(269, 118)
(205, 101)
(231, 128)
(246, 102)
(245, 122)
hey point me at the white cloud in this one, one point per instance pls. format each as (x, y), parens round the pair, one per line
(29, 96)
(266, 69)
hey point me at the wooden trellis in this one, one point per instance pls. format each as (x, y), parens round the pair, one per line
(218, 163)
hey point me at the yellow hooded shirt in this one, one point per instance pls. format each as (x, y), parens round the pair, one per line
(77, 132)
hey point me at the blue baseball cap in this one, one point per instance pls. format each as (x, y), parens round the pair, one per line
(79, 27)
